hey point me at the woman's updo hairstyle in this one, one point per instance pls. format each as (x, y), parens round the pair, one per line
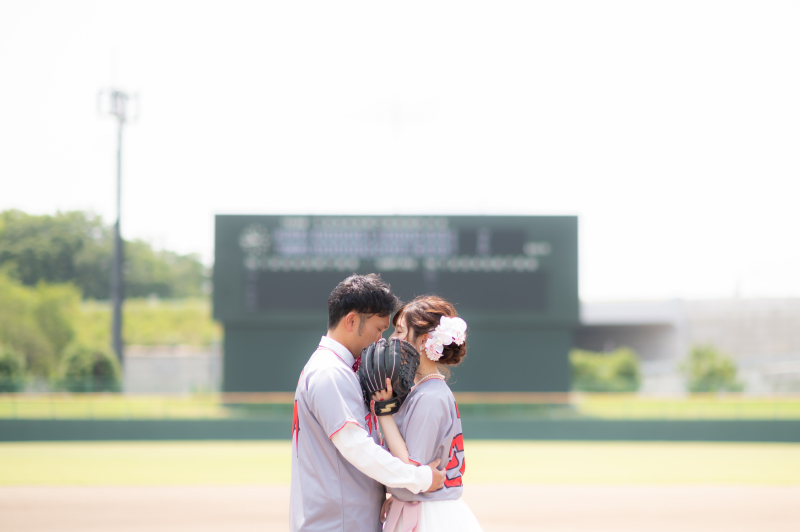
(423, 315)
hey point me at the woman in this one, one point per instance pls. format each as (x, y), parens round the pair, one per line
(428, 425)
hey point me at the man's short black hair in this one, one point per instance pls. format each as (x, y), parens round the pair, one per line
(365, 294)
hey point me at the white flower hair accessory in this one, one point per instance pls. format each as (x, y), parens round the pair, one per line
(449, 331)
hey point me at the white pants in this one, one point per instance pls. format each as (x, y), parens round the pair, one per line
(444, 516)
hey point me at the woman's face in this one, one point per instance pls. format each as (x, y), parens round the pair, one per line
(402, 332)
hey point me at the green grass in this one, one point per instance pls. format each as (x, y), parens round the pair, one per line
(692, 407)
(150, 322)
(632, 463)
(117, 406)
(144, 463)
(110, 406)
(493, 462)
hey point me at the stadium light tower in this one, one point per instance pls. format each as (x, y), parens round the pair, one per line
(115, 102)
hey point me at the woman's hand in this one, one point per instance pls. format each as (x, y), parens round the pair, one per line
(385, 393)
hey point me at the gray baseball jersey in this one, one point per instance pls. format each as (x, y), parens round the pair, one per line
(430, 424)
(328, 494)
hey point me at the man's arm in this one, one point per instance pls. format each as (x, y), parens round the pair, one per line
(360, 450)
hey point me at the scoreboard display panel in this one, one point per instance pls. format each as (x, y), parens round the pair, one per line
(517, 274)
(268, 264)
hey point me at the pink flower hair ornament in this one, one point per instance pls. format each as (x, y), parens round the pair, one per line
(449, 331)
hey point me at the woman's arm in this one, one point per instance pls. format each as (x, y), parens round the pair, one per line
(391, 433)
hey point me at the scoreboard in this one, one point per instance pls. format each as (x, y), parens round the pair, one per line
(513, 278)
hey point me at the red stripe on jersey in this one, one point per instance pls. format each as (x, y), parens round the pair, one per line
(296, 428)
(340, 428)
(335, 353)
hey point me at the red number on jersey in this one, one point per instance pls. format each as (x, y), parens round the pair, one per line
(456, 447)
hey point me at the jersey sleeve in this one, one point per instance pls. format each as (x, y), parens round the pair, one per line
(330, 394)
(425, 427)
(372, 460)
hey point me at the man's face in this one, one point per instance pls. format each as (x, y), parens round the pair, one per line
(370, 329)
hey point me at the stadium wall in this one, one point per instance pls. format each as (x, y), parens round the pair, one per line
(478, 428)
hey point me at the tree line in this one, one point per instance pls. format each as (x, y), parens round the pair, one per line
(77, 247)
(48, 265)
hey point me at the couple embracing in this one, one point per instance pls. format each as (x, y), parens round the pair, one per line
(389, 428)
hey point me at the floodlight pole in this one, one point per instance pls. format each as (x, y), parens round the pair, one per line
(119, 102)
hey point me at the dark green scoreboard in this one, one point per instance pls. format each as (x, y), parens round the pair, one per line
(514, 279)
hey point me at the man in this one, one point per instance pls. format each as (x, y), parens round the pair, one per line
(338, 469)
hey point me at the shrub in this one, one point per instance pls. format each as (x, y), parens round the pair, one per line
(56, 311)
(617, 371)
(87, 369)
(19, 328)
(12, 370)
(708, 370)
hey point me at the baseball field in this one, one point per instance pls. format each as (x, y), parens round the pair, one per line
(554, 486)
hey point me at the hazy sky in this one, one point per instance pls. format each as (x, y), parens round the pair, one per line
(671, 128)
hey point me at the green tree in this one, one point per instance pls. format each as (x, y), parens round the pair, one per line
(87, 369)
(617, 371)
(56, 310)
(163, 273)
(38, 322)
(77, 247)
(19, 328)
(72, 246)
(12, 370)
(707, 370)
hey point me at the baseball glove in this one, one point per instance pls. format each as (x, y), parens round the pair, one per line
(392, 359)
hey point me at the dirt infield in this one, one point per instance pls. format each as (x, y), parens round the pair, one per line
(498, 508)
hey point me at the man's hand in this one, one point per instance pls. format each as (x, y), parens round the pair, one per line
(387, 505)
(438, 476)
